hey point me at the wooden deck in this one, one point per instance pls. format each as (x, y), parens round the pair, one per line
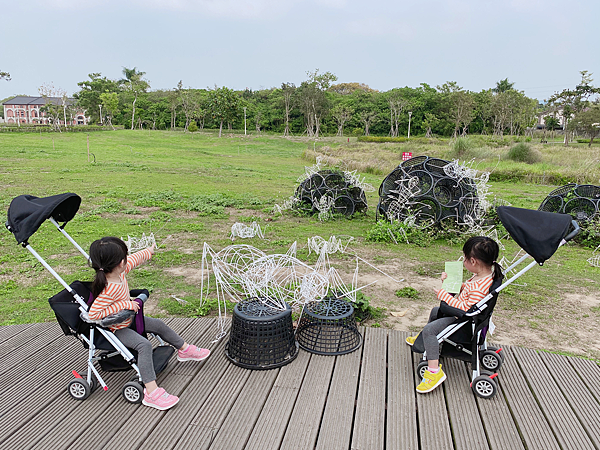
(363, 400)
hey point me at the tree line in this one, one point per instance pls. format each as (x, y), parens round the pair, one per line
(321, 106)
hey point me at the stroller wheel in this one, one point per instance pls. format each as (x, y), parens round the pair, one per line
(79, 389)
(484, 387)
(495, 349)
(490, 360)
(133, 392)
(93, 384)
(421, 368)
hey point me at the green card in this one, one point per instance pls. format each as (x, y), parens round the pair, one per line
(452, 284)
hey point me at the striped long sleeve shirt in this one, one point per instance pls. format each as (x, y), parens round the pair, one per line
(115, 296)
(471, 292)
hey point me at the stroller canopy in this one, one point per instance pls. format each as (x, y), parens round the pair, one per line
(26, 213)
(539, 233)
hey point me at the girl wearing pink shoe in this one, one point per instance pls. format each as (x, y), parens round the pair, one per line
(111, 294)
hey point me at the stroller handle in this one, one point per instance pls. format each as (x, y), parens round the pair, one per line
(573, 233)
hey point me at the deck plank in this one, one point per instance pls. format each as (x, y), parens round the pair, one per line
(303, 427)
(589, 372)
(401, 397)
(500, 427)
(369, 421)
(579, 398)
(136, 429)
(271, 425)
(336, 425)
(235, 431)
(569, 431)
(8, 331)
(533, 426)
(29, 338)
(434, 428)
(467, 427)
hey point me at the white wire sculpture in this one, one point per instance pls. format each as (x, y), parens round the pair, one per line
(335, 244)
(135, 244)
(594, 260)
(242, 271)
(244, 231)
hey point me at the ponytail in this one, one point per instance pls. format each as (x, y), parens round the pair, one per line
(105, 254)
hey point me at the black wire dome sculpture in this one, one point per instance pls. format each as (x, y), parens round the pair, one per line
(430, 191)
(330, 189)
(580, 201)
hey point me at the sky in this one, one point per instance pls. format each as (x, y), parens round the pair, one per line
(539, 45)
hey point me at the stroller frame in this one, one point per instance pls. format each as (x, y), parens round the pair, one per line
(481, 354)
(80, 388)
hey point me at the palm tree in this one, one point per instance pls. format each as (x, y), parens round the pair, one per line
(503, 86)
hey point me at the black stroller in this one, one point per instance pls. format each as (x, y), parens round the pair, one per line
(26, 214)
(539, 234)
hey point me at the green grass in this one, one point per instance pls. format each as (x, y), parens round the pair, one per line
(194, 187)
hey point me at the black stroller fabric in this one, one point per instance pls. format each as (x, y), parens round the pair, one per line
(464, 335)
(26, 213)
(539, 233)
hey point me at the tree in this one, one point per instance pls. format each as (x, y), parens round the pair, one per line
(110, 102)
(350, 88)
(223, 104)
(313, 100)
(4, 76)
(55, 103)
(341, 114)
(503, 86)
(134, 84)
(397, 105)
(88, 97)
(570, 102)
(588, 122)
(460, 106)
(287, 91)
(188, 103)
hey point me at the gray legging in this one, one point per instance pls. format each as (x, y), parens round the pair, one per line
(131, 339)
(431, 330)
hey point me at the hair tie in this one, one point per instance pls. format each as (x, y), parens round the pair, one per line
(101, 269)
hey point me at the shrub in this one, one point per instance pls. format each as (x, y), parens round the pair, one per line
(461, 146)
(407, 292)
(524, 153)
(192, 127)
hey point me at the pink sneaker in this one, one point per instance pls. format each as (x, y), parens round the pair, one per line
(193, 353)
(159, 399)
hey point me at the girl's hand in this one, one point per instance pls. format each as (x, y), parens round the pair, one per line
(136, 306)
(444, 276)
(152, 248)
(436, 291)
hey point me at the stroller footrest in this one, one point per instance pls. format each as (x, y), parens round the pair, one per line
(161, 356)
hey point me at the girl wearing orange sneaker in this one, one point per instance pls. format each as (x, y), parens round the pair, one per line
(111, 294)
(480, 255)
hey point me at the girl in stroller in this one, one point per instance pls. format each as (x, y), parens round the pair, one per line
(109, 259)
(480, 255)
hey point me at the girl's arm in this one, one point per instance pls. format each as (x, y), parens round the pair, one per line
(137, 258)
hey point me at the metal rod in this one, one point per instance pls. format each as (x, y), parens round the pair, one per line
(69, 238)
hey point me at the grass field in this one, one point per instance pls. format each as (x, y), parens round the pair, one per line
(195, 186)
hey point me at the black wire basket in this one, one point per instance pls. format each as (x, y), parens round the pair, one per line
(328, 327)
(261, 336)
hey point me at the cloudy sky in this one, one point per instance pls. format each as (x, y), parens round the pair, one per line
(540, 45)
